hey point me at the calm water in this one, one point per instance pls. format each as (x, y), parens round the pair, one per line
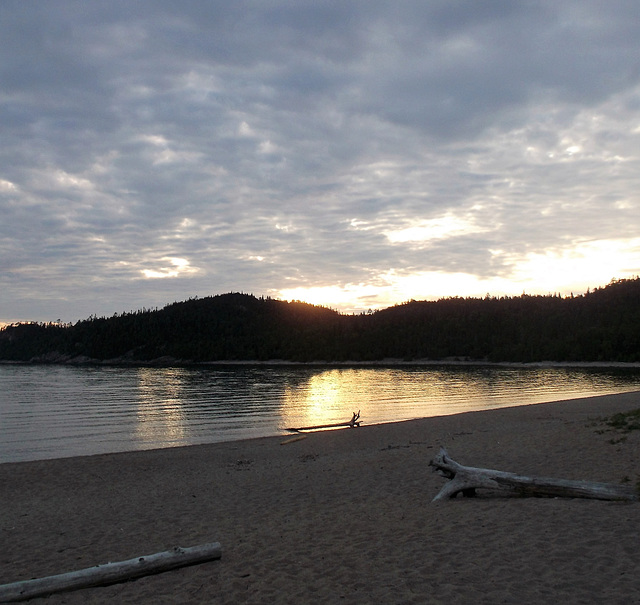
(58, 411)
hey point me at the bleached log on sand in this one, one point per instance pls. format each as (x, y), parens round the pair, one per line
(467, 479)
(110, 573)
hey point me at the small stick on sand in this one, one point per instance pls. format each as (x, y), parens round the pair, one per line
(353, 423)
(293, 439)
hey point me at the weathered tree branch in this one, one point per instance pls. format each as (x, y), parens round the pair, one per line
(110, 573)
(353, 423)
(467, 479)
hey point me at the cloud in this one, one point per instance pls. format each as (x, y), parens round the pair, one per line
(337, 148)
(442, 227)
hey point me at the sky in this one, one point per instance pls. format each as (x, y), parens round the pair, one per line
(352, 154)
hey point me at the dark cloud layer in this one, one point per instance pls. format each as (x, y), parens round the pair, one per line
(371, 151)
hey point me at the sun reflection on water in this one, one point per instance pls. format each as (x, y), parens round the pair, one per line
(160, 412)
(59, 411)
(395, 394)
(326, 398)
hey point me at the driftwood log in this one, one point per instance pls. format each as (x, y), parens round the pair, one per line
(110, 573)
(467, 479)
(353, 423)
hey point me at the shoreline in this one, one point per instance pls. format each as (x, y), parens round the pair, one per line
(287, 433)
(343, 515)
(167, 362)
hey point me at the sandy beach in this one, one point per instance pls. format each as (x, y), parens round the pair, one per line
(342, 516)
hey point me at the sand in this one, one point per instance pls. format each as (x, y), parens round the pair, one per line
(342, 516)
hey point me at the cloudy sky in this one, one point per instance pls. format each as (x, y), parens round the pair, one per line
(355, 154)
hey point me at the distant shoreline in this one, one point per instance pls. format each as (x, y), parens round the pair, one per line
(600, 328)
(167, 362)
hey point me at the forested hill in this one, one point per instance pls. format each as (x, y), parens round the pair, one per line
(602, 325)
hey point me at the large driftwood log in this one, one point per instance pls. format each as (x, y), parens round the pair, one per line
(353, 423)
(110, 573)
(467, 479)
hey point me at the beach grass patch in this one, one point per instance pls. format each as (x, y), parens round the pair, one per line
(625, 421)
(618, 440)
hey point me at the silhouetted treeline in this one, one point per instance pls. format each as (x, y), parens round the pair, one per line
(602, 325)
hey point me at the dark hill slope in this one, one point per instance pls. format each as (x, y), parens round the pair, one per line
(603, 325)
(226, 327)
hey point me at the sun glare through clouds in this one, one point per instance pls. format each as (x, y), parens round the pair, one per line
(574, 270)
(584, 266)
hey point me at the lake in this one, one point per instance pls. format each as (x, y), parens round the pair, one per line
(49, 411)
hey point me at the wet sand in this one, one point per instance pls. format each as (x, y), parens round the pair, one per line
(342, 516)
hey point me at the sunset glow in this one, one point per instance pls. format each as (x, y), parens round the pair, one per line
(572, 271)
(415, 151)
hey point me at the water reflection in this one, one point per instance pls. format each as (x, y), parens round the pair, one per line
(404, 393)
(381, 395)
(57, 411)
(323, 399)
(160, 406)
